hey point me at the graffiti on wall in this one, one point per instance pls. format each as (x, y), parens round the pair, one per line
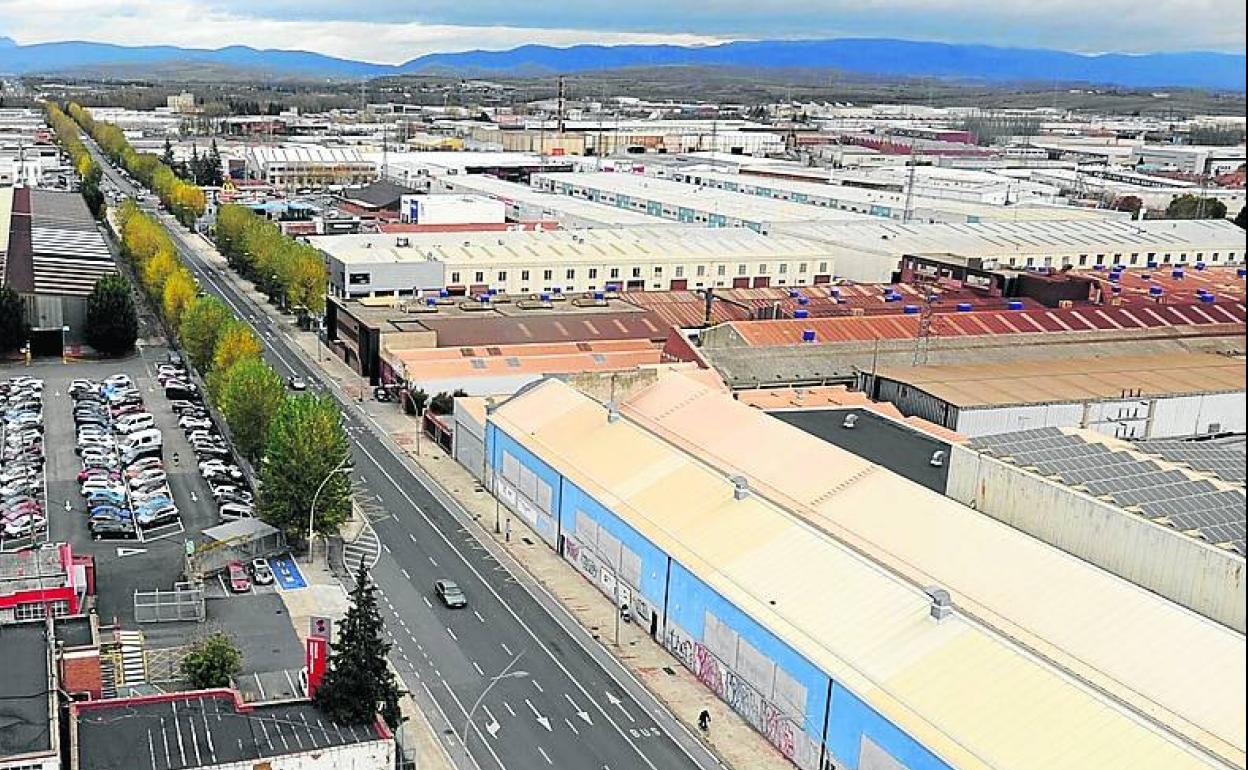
(782, 729)
(600, 574)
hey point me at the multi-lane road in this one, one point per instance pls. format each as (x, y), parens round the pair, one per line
(564, 701)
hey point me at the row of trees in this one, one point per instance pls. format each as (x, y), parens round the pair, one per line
(293, 272)
(70, 139)
(186, 201)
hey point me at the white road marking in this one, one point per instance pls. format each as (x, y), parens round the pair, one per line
(506, 649)
(411, 537)
(452, 633)
(478, 614)
(541, 720)
(478, 668)
(406, 574)
(538, 686)
(515, 616)
(431, 561)
(544, 756)
(510, 710)
(579, 711)
(571, 726)
(428, 603)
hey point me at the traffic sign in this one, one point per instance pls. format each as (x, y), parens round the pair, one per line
(320, 628)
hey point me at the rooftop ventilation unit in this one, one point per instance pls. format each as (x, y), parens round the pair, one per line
(740, 487)
(942, 603)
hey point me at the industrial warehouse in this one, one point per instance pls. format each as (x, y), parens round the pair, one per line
(672, 512)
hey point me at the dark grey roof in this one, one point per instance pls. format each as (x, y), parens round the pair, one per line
(201, 730)
(68, 252)
(382, 194)
(894, 445)
(25, 724)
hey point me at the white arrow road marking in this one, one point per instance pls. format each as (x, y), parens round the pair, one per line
(541, 720)
(617, 702)
(579, 712)
(491, 727)
(122, 551)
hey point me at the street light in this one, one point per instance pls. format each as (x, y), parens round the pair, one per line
(341, 466)
(506, 673)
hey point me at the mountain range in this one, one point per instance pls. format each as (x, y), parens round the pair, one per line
(864, 56)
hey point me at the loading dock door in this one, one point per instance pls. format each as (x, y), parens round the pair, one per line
(45, 342)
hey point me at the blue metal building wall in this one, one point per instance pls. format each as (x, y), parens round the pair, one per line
(835, 725)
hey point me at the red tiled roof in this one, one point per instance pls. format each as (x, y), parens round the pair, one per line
(545, 327)
(981, 323)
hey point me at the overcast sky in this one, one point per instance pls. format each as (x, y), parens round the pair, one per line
(392, 31)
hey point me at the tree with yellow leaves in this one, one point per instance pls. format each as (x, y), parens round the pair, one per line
(179, 292)
(155, 270)
(235, 343)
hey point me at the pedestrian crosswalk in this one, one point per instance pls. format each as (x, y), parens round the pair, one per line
(365, 548)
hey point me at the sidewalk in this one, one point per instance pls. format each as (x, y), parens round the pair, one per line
(730, 738)
(325, 597)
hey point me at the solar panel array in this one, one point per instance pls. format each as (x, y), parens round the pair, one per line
(1224, 460)
(1168, 496)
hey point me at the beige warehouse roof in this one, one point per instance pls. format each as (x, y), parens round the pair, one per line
(643, 245)
(1072, 379)
(962, 689)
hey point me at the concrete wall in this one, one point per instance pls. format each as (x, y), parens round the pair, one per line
(468, 442)
(1201, 577)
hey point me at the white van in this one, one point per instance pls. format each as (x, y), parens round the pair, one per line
(144, 438)
(235, 511)
(134, 422)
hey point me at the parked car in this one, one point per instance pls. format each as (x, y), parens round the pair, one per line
(113, 528)
(233, 511)
(297, 383)
(194, 423)
(237, 577)
(261, 572)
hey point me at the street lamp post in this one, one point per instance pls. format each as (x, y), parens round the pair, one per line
(506, 673)
(341, 466)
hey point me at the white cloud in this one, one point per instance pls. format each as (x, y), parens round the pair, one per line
(189, 24)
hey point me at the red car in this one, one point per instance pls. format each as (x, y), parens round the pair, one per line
(240, 583)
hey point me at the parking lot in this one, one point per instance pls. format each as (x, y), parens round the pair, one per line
(154, 559)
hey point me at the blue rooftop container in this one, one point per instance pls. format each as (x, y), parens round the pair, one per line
(808, 335)
(800, 313)
(1014, 305)
(910, 309)
(965, 307)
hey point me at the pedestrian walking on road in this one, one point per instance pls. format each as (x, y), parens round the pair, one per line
(507, 531)
(175, 458)
(704, 721)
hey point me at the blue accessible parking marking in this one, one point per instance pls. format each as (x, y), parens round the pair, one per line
(287, 573)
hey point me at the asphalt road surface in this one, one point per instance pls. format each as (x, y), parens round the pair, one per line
(564, 703)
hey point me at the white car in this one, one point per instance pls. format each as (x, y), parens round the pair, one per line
(101, 485)
(147, 478)
(194, 423)
(119, 381)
